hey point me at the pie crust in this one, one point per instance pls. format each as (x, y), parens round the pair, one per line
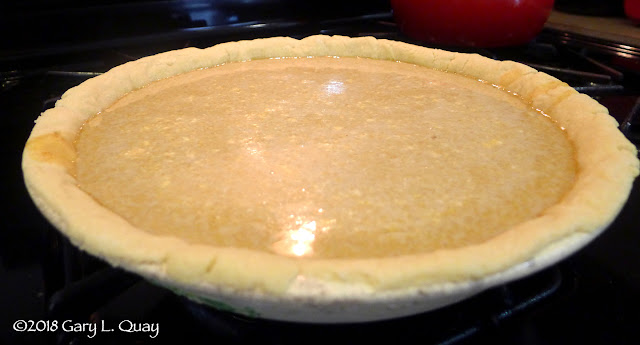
(606, 167)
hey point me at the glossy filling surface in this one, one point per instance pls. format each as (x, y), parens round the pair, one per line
(324, 157)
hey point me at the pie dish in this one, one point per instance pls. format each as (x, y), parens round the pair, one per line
(239, 176)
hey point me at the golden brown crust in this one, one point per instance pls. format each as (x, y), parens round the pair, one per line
(606, 161)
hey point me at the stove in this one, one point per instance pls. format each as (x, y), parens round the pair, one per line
(61, 293)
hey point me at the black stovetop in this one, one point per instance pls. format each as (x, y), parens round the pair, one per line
(587, 298)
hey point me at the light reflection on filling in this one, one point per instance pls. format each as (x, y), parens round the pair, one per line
(334, 87)
(324, 158)
(299, 236)
(302, 238)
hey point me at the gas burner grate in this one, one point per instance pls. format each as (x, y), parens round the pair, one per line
(630, 126)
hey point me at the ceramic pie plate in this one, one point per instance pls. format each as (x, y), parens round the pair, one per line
(267, 285)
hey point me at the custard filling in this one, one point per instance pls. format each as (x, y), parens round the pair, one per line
(324, 157)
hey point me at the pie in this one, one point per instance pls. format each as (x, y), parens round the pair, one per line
(327, 166)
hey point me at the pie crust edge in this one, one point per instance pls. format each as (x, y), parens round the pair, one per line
(606, 161)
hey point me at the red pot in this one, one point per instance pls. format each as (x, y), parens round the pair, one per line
(477, 23)
(632, 10)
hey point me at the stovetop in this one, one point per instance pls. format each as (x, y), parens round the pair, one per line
(45, 281)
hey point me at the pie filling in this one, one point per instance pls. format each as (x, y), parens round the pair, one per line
(324, 157)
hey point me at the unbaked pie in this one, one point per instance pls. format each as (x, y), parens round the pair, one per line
(327, 169)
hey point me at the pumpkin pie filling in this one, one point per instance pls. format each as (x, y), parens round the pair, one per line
(325, 158)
